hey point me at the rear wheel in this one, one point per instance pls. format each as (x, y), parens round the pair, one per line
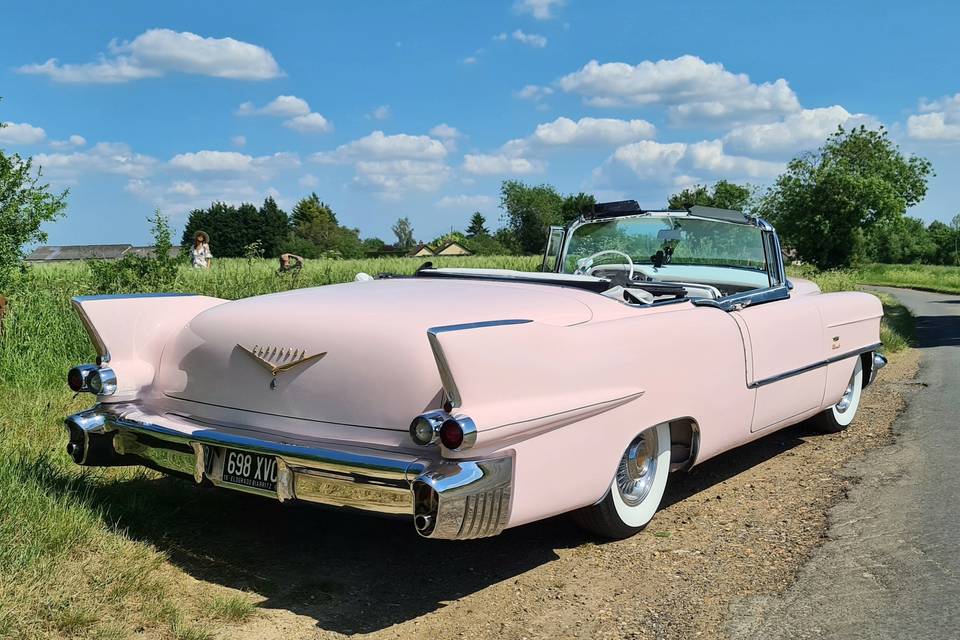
(636, 490)
(839, 416)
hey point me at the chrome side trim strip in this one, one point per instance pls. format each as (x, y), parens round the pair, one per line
(739, 301)
(811, 367)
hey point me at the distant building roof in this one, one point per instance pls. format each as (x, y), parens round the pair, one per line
(78, 252)
(453, 248)
(421, 250)
(147, 252)
(55, 253)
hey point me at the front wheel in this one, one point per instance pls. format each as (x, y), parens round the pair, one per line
(636, 490)
(839, 416)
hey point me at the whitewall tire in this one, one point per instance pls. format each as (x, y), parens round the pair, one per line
(636, 490)
(839, 416)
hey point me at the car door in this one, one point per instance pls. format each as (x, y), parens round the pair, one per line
(782, 339)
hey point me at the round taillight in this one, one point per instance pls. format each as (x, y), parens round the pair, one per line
(422, 431)
(103, 381)
(451, 434)
(75, 379)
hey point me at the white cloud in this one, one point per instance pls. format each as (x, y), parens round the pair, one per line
(533, 92)
(470, 60)
(675, 163)
(281, 107)
(474, 202)
(710, 155)
(539, 9)
(392, 178)
(21, 133)
(501, 164)
(310, 123)
(591, 132)
(391, 165)
(938, 120)
(531, 39)
(691, 89)
(381, 113)
(212, 161)
(70, 143)
(207, 161)
(378, 145)
(500, 37)
(445, 132)
(648, 159)
(799, 131)
(238, 141)
(183, 188)
(156, 52)
(308, 181)
(297, 110)
(103, 157)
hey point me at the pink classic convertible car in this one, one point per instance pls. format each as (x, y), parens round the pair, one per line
(472, 400)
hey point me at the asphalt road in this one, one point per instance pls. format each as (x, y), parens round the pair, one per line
(891, 567)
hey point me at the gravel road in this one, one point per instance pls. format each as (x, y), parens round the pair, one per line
(891, 568)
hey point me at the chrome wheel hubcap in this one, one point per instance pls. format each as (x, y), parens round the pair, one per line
(638, 468)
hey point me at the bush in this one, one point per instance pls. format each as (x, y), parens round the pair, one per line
(132, 273)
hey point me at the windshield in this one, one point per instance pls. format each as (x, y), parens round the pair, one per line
(668, 240)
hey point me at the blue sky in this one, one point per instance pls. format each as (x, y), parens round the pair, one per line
(421, 109)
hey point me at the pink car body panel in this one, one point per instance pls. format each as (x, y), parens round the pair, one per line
(562, 394)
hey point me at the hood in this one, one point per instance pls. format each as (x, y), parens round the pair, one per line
(377, 369)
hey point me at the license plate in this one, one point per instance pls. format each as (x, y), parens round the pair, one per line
(249, 470)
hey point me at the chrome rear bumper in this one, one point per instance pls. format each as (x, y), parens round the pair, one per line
(452, 499)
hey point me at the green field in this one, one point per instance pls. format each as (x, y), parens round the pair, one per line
(70, 566)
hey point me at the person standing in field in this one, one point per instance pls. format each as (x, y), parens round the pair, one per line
(200, 251)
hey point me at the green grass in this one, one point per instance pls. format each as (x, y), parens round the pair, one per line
(68, 566)
(232, 608)
(926, 277)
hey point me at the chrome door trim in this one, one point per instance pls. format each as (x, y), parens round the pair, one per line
(811, 367)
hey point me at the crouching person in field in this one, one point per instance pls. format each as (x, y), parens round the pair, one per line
(290, 262)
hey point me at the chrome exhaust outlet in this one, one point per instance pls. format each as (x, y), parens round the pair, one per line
(90, 443)
(423, 523)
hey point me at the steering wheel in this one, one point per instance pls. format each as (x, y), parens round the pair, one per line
(584, 264)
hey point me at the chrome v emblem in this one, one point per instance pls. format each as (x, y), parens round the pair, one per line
(278, 360)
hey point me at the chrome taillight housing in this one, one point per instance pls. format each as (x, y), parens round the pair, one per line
(454, 432)
(78, 378)
(425, 428)
(101, 381)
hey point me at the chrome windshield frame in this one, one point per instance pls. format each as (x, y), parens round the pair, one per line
(779, 286)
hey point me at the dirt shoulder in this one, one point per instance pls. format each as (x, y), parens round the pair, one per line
(739, 525)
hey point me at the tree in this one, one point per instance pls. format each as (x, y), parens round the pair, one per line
(530, 210)
(25, 204)
(944, 239)
(232, 229)
(315, 223)
(725, 195)
(476, 227)
(956, 238)
(827, 201)
(404, 232)
(574, 206)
